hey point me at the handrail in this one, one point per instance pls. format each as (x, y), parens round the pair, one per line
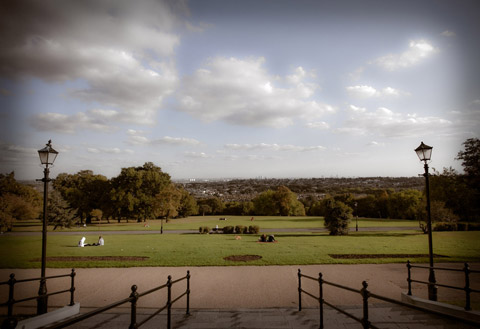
(11, 291)
(466, 269)
(133, 299)
(366, 294)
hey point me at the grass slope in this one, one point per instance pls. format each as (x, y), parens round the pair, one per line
(209, 250)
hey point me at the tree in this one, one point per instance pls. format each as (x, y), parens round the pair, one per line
(17, 202)
(134, 191)
(471, 160)
(60, 214)
(84, 191)
(337, 217)
(167, 202)
(404, 204)
(281, 202)
(188, 205)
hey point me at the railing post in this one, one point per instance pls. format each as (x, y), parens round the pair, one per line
(133, 313)
(409, 278)
(466, 269)
(188, 292)
(11, 289)
(169, 302)
(365, 295)
(299, 290)
(72, 287)
(320, 298)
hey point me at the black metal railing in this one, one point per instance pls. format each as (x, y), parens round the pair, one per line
(11, 290)
(466, 270)
(133, 299)
(365, 294)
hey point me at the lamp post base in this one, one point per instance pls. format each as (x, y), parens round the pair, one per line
(432, 288)
(42, 300)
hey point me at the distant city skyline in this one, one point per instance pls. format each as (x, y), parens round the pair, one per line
(238, 89)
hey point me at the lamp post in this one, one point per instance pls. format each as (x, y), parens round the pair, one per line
(356, 217)
(424, 153)
(47, 157)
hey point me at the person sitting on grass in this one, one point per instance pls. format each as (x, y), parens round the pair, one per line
(271, 238)
(263, 238)
(100, 242)
(81, 243)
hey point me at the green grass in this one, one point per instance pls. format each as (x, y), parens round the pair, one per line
(194, 222)
(209, 250)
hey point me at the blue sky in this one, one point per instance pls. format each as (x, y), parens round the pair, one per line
(217, 89)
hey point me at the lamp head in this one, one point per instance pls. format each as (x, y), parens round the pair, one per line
(47, 154)
(424, 152)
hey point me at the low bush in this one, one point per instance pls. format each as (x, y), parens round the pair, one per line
(462, 226)
(253, 229)
(240, 229)
(228, 230)
(445, 226)
(473, 227)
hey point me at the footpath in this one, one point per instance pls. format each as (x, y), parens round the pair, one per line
(249, 296)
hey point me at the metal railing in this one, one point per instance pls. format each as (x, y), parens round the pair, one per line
(11, 290)
(133, 299)
(466, 269)
(365, 294)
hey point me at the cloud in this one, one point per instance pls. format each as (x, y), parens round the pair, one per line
(122, 51)
(364, 91)
(196, 155)
(136, 139)
(112, 150)
(97, 120)
(322, 125)
(418, 50)
(241, 92)
(448, 33)
(272, 147)
(387, 123)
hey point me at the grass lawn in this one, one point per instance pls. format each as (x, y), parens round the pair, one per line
(210, 249)
(194, 222)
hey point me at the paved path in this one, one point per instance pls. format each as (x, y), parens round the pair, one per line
(243, 296)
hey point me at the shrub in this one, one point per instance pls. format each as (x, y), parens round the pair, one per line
(445, 226)
(474, 226)
(462, 226)
(240, 229)
(253, 229)
(228, 230)
(204, 229)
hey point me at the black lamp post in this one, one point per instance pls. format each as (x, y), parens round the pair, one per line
(356, 217)
(47, 157)
(424, 153)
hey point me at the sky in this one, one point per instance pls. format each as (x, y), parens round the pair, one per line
(238, 89)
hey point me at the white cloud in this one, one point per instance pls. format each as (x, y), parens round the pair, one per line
(240, 91)
(272, 147)
(197, 155)
(362, 91)
(97, 120)
(365, 91)
(322, 125)
(123, 51)
(109, 150)
(387, 123)
(448, 33)
(417, 51)
(135, 138)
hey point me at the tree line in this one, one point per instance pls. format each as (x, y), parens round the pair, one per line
(146, 192)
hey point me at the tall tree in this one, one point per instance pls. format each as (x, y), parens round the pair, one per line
(84, 191)
(337, 217)
(135, 189)
(17, 202)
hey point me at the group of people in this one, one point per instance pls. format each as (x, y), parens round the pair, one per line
(82, 243)
(264, 238)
